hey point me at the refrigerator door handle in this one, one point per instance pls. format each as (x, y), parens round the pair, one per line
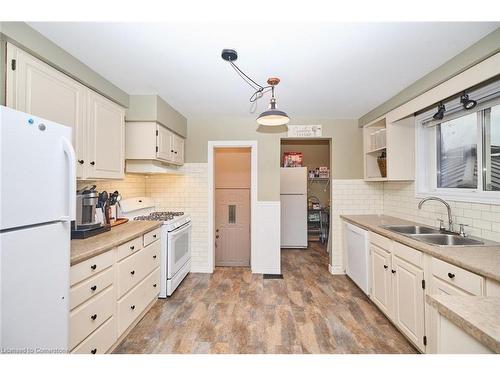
(70, 152)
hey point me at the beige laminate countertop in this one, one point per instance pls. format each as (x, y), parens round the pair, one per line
(482, 260)
(87, 248)
(478, 316)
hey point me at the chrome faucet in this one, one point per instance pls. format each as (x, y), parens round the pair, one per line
(450, 220)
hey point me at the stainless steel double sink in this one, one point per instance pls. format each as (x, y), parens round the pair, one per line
(434, 236)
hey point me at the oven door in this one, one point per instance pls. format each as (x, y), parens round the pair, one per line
(178, 249)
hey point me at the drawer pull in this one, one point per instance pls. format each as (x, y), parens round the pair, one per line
(386, 267)
(132, 307)
(132, 247)
(93, 267)
(154, 256)
(154, 285)
(93, 317)
(93, 351)
(451, 275)
(93, 288)
(132, 272)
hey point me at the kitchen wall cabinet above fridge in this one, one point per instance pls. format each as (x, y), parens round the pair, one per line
(389, 150)
(151, 147)
(98, 124)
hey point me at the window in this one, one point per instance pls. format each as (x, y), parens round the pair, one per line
(458, 157)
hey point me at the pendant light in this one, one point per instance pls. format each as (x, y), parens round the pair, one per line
(271, 117)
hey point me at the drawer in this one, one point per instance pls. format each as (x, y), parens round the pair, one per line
(88, 317)
(100, 340)
(88, 288)
(381, 241)
(129, 248)
(468, 281)
(91, 267)
(133, 269)
(152, 236)
(409, 254)
(135, 301)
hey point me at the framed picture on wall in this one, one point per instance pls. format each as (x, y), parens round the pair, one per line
(292, 159)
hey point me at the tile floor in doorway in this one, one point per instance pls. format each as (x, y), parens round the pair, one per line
(235, 311)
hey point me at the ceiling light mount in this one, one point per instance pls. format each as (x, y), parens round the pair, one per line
(229, 54)
(271, 117)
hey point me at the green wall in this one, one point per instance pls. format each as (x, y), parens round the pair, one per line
(346, 146)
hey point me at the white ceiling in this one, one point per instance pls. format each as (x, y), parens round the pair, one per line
(328, 70)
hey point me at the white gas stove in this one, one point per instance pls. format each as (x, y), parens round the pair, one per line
(175, 239)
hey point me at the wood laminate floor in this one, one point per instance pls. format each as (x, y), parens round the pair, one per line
(234, 311)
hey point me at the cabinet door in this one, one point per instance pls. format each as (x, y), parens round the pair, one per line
(106, 138)
(179, 149)
(409, 300)
(164, 143)
(381, 279)
(35, 87)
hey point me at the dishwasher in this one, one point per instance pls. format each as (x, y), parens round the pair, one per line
(357, 251)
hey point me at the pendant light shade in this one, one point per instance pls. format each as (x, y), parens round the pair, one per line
(273, 116)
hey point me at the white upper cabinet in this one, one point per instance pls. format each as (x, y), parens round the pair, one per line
(106, 138)
(154, 142)
(98, 124)
(35, 87)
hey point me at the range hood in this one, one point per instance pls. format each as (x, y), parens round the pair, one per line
(151, 167)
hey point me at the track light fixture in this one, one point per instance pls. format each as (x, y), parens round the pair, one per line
(440, 113)
(466, 102)
(271, 117)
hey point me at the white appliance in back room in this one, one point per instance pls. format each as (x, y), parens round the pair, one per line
(175, 262)
(293, 197)
(37, 198)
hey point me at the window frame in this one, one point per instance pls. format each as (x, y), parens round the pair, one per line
(426, 149)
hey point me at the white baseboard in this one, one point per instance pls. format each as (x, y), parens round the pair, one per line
(336, 270)
(200, 270)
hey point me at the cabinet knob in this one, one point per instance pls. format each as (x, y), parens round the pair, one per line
(132, 247)
(393, 271)
(175, 152)
(132, 272)
(132, 307)
(154, 235)
(93, 288)
(94, 266)
(217, 236)
(154, 285)
(154, 256)
(451, 275)
(93, 317)
(92, 163)
(171, 150)
(93, 351)
(80, 161)
(386, 267)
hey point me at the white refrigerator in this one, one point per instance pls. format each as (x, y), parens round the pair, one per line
(293, 197)
(37, 201)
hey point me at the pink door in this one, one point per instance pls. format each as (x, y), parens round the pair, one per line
(232, 227)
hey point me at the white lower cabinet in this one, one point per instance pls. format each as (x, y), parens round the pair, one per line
(401, 277)
(409, 300)
(381, 293)
(110, 291)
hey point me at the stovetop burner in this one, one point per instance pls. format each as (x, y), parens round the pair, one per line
(160, 216)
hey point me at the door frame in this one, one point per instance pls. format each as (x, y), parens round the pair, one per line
(212, 146)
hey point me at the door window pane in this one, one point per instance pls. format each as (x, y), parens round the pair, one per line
(232, 214)
(491, 149)
(457, 153)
